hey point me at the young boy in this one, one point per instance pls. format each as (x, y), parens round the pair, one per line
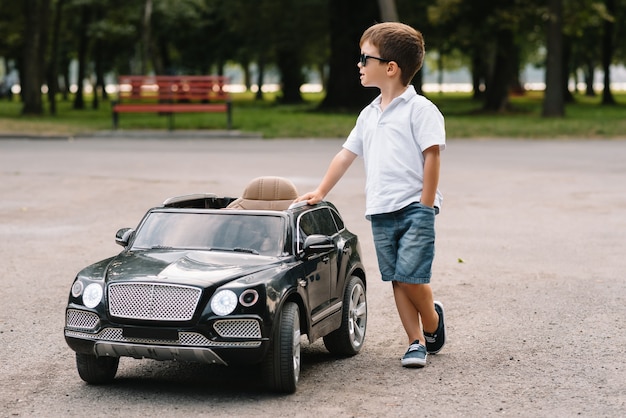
(399, 135)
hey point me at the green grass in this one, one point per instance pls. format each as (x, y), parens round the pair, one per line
(585, 118)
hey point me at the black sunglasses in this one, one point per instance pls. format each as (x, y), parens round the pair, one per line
(363, 59)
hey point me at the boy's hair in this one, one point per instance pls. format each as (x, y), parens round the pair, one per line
(400, 43)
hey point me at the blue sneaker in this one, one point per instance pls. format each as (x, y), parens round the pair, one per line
(415, 356)
(436, 341)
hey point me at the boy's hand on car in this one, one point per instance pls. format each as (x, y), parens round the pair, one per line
(311, 198)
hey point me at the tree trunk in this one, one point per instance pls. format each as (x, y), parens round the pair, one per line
(162, 60)
(260, 77)
(146, 37)
(291, 76)
(553, 102)
(344, 87)
(44, 41)
(589, 76)
(247, 81)
(83, 43)
(516, 86)
(99, 84)
(65, 65)
(440, 70)
(497, 88)
(566, 56)
(607, 54)
(478, 74)
(388, 10)
(418, 82)
(31, 74)
(53, 66)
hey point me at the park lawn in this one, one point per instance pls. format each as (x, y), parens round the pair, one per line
(585, 118)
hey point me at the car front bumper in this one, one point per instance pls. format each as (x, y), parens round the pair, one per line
(232, 340)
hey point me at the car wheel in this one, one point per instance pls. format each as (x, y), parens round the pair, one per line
(282, 363)
(96, 370)
(348, 339)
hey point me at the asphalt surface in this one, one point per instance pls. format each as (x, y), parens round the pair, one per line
(529, 266)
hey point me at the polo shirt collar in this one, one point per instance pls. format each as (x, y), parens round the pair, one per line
(407, 95)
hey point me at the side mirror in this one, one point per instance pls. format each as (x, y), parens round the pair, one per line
(316, 244)
(123, 236)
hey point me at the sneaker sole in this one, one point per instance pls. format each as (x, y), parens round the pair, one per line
(413, 363)
(443, 320)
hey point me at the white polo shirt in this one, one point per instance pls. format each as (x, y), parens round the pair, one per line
(391, 143)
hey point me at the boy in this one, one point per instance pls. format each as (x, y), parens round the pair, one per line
(399, 135)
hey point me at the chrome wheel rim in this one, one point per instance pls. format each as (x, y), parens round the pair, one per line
(296, 350)
(357, 316)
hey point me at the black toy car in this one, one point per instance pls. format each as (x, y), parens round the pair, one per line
(226, 281)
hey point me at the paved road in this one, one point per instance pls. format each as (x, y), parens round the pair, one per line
(530, 266)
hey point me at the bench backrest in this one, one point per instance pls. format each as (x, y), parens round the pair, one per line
(172, 88)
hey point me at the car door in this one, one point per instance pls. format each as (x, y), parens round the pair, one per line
(319, 268)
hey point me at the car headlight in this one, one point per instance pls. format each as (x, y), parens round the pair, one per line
(92, 295)
(224, 302)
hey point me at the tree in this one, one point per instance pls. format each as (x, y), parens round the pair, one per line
(295, 33)
(280, 32)
(82, 34)
(490, 33)
(582, 29)
(553, 103)
(496, 35)
(496, 38)
(289, 45)
(502, 71)
(32, 67)
(388, 10)
(146, 40)
(251, 22)
(344, 88)
(607, 52)
(189, 37)
(415, 13)
(53, 65)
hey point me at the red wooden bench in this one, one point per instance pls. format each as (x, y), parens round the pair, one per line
(166, 94)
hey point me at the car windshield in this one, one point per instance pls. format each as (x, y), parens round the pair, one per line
(255, 234)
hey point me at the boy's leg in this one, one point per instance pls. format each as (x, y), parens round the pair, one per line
(415, 302)
(409, 315)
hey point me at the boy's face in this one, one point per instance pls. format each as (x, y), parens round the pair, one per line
(373, 71)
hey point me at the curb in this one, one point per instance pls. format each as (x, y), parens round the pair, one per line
(141, 134)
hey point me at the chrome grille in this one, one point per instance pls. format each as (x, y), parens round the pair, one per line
(116, 334)
(151, 301)
(238, 328)
(80, 319)
(184, 339)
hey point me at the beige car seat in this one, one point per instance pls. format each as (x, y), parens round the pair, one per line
(266, 193)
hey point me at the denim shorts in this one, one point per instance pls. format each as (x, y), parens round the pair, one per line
(405, 243)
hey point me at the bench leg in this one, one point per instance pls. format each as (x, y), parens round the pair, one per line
(229, 115)
(171, 121)
(115, 120)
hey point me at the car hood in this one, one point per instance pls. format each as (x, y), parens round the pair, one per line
(195, 268)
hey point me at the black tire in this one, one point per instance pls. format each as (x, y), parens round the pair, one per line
(348, 339)
(96, 370)
(281, 366)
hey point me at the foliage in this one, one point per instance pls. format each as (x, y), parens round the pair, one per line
(202, 36)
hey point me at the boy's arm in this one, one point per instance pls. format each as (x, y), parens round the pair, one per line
(337, 168)
(431, 175)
